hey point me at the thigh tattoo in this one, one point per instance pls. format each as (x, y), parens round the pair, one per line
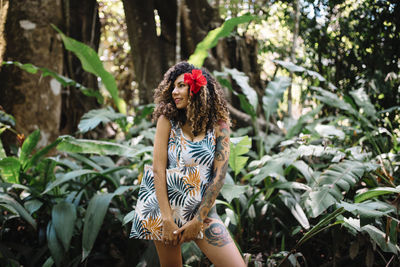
(217, 235)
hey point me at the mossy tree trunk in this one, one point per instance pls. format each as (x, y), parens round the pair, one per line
(41, 102)
(34, 101)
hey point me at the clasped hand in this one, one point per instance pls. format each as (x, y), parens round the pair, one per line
(173, 235)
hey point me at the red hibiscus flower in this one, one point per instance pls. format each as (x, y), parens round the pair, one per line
(195, 80)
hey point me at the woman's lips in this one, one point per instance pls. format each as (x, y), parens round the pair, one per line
(177, 100)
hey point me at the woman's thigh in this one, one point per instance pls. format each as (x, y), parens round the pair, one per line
(218, 245)
(168, 255)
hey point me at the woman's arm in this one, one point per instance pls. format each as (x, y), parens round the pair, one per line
(220, 166)
(160, 157)
(192, 228)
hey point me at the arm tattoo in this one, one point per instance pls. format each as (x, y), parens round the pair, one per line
(221, 157)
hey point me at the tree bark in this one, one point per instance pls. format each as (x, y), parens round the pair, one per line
(81, 22)
(35, 102)
(148, 59)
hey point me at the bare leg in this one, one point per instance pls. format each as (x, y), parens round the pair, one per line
(169, 255)
(218, 245)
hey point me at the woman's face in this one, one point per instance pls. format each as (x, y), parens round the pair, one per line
(180, 93)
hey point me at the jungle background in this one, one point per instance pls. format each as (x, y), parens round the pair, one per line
(313, 92)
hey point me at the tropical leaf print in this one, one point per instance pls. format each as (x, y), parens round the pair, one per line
(190, 209)
(151, 208)
(183, 141)
(177, 189)
(153, 228)
(189, 168)
(147, 185)
(202, 152)
(203, 188)
(138, 231)
(194, 180)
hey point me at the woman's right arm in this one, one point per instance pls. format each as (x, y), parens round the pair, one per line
(160, 157)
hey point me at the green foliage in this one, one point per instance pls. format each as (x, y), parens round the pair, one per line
(211, 40)
(91, 63)
(273, 95)
(94, 117)
(238, 147)
(30, 68)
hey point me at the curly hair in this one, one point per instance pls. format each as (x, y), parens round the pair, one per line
(204, 109)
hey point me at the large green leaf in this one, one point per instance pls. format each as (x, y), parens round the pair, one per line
(299, 125)
(63, 216)
(363, 101)
(94, 117)
(86, 146)
(41, 153)
(295, 68)
(6, 199)
(28, 146)
(293, 205)
(92, 63)
(367, 209)
(274, 166)
(231, 191)
(211, 40)
(55, 246)
(376, 235)
(333, 100)
(238, 147)
(273, 94)
(61, 79)
(332, 183)
(65, 177)
(94, 218)
(9, 169)
(378, 191)
(244, 103)
(243, 81)
(379, 238)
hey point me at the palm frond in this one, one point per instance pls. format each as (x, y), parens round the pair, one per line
(332, 183)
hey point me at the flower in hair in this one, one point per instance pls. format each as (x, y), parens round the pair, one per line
(195, 80)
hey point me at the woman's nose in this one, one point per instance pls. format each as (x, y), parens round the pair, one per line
(175, 91)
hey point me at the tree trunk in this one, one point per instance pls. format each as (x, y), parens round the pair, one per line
(41, 103)
(35, 102)
(81, 22)
(148, 59)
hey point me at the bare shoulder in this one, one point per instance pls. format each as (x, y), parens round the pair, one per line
(163, 123)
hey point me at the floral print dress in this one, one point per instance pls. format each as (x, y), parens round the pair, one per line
(195, 160)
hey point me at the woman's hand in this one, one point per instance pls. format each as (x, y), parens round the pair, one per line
(189, 231)
(168, 236)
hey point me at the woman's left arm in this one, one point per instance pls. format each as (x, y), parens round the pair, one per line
(221, 157)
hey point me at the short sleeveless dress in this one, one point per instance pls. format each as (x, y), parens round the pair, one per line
(192, 154)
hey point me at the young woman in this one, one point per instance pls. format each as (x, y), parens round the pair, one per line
(190, 106)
